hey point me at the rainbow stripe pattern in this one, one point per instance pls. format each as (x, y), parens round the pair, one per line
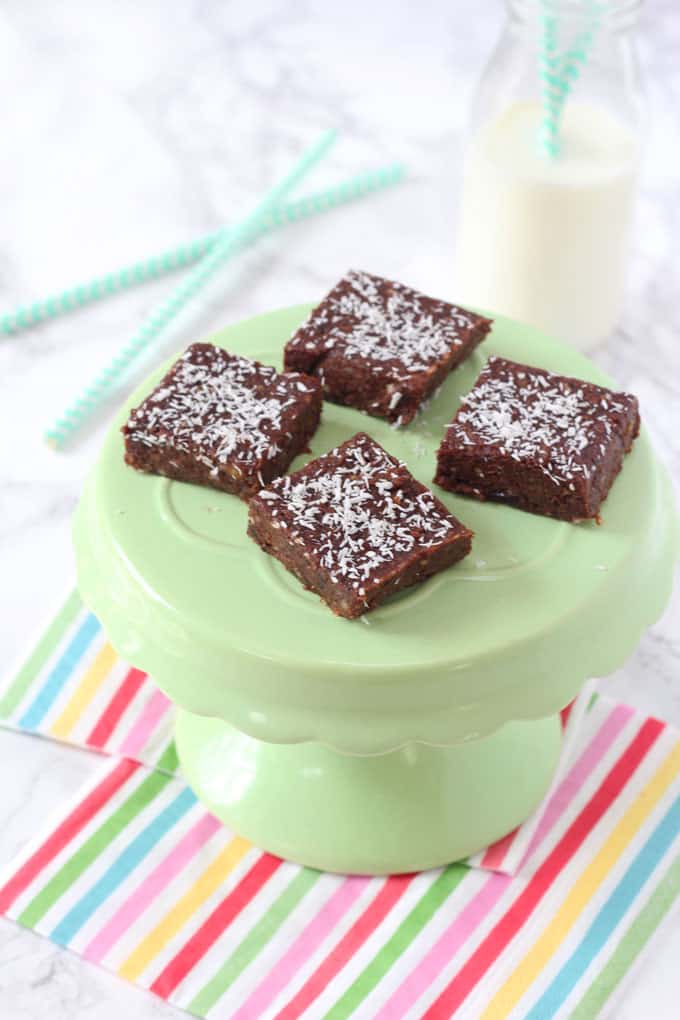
(74, 688)
(136, 876)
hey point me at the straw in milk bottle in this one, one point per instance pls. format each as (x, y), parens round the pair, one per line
(551, 170)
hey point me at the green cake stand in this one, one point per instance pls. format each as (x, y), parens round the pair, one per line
(421, 733)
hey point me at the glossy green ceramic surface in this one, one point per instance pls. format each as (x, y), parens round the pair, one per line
(415, 808)
(509, 633)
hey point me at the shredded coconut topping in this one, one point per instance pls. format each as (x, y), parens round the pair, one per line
(385, 321)
(218, 407)
(562, 425)
(358, 509)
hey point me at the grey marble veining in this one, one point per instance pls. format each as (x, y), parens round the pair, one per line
(129, 126)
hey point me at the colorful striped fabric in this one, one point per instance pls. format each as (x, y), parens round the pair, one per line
(135, 875)
(74, 688)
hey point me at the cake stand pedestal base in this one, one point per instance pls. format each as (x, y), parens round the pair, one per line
(415, 808)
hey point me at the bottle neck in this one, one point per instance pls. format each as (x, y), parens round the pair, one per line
(561, 52)
(608, 15)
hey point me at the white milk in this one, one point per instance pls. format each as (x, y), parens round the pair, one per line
(545, 241)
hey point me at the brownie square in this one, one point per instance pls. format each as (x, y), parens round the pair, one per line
(545, 443)
(381, 347)
(221, 420)
(355, 527)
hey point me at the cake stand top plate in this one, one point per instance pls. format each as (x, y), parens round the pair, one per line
(509, 632)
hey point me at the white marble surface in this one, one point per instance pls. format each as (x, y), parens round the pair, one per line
(127, 126)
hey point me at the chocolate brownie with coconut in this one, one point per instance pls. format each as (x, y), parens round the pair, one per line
(382, 347)
(222, 420)
(355, 527)
(545, 443)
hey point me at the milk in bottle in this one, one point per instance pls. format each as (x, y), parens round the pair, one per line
(545, 241)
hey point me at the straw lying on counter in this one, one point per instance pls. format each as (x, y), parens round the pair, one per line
(227, 243)
(210, 251)
(182, 255)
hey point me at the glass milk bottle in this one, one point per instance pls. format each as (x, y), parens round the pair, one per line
(551, 168)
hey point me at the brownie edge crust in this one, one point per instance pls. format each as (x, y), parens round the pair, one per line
(222, 420)
(541, 442)
(355, 527)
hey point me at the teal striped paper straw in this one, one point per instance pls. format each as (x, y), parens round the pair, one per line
(550, 84)
(183, 255)
(558, 71)
(227, 243)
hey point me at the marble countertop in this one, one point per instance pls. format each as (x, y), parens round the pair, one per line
(128, 127)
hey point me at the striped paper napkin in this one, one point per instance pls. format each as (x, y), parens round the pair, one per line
(74, 688)
(135, 875)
